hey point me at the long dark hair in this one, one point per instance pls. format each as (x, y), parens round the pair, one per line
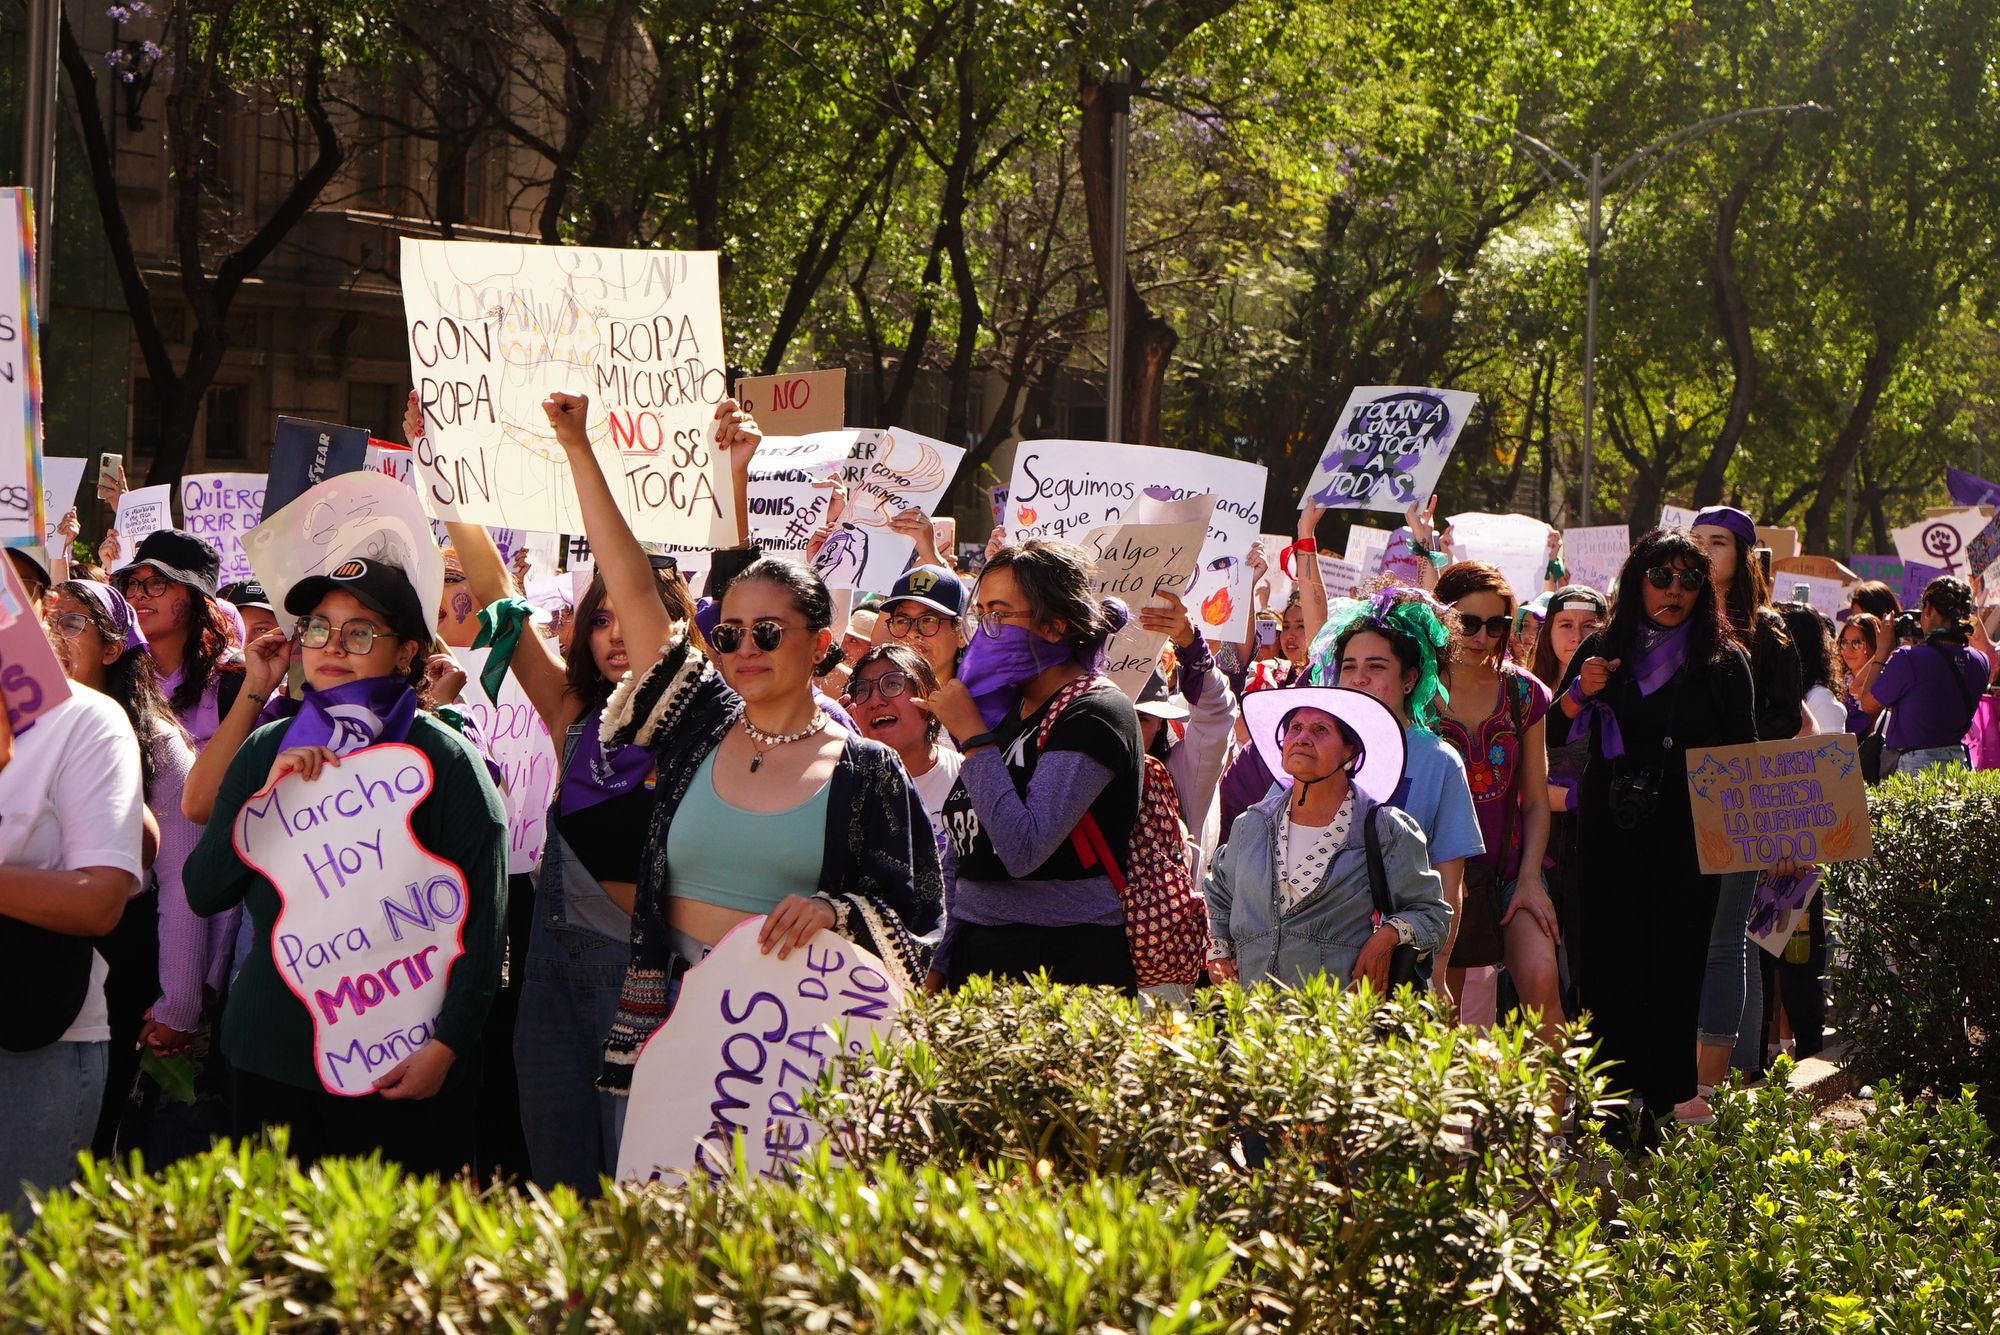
(130, 680)
(1709, 635)
(1812, 641)
(1461, 579)
(1545, 667)
(207, 649)
(809, 597)
(582, 680)
(1055, 579)
(1749, 589)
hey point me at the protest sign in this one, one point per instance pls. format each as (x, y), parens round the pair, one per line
(362, 513)
(1518, 544)
(1065, 488)
(1822, 595)
(1340, 578)
(1281, 582)
(1782, 542)
(22, 522)
(1819, 567)
(1776, 906)
(797, 404)
(519, 743)
(62, 478)
(1388, 447)
(31, 677)
(1368, 548)
(1916, 578)
(391, 461)
(1941, 542)
(1596, 555)
(749, 1035)
(1761, 803)
(222, 507)
(1674, 516)
(141, 511)
(1984, 548)
(1155, 551)
(495, 328)
(1886, 569)
(306, 453)
(369, 920)
(944, 535)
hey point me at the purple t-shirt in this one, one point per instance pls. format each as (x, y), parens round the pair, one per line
(1493, 761)
(1929, 710)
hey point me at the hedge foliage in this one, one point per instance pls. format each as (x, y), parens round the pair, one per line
(1052, 1161)
(1919, 927)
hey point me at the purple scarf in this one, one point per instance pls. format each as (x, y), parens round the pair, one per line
(1660, 654)
(997, 666)
(354, 714)
(592, 777)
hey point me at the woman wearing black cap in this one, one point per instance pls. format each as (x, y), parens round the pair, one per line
(362, 634)
(170, 583)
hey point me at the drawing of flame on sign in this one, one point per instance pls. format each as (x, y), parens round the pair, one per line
(1024, 516)
(1215, 608)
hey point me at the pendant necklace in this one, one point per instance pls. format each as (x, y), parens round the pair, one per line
(765, 741)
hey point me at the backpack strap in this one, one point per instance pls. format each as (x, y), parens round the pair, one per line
(1958, 680)
(1378, 871)
(1092, 849)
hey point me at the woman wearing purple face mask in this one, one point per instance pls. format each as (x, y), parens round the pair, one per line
(1020, 899)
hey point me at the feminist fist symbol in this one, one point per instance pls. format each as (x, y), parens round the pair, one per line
(1944, 542)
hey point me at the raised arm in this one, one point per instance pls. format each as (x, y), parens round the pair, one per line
(264, 662)
(1306, 572)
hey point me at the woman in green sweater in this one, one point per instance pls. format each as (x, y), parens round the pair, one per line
(362, 635)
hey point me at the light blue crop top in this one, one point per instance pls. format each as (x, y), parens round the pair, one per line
(744, 860)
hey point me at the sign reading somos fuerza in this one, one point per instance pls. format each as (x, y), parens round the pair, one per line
(369, 921)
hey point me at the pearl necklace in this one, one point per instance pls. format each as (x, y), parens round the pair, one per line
(765, 741)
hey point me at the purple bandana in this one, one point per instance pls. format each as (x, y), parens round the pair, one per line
(592, 777)
(114, 606)
(996, 667)
(354, 714)
(1724, 516)
(1660, 654)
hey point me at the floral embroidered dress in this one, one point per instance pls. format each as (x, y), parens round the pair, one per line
(1493, 763)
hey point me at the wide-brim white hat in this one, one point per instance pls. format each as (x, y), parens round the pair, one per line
(1381, 769)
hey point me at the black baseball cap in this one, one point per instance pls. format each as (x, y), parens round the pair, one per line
(178, 555)
(933, 586)
(247, 593)
(377, 586)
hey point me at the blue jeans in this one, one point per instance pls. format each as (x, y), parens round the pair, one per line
(1915, 762)
(569, 995)
(1723, 983)
(49, 1101)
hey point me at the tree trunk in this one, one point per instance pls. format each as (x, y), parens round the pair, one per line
(1732, 314)
(1875, 373)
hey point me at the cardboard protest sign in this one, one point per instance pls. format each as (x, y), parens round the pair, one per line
(1758, 804)
(31, 676)
(1777, 905)
(1819, 567)
(1674, 516)
(1596, 555)
(1065, 488)
(1388, 447)
(306, 453)
(884, 473)
(222, 507)
(1518, 544)
(363, 513)
(62, 478)
(1941, 542)
(369, 920)
(797, 404)
(1783, 542)
(22, 521)
(749, 1035)
(144, 510)
(1155, 551)
(495, 328)
(520, 744)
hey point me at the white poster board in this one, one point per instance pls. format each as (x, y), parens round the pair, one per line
(1065, 488)
(520, 744)
(885, 473)
(369, 921)
(495, 328)
(1596, 555)
(1155, 552)
(222, 507)
(1822, 595)
(1366, 548)
(1388, 447)
(1341, 578)
(22, 521)
(142, 511)
(366, 514)
(1518, 544)
(1940, 541)
(62, 478)
(1674, 516)
(749, 1035)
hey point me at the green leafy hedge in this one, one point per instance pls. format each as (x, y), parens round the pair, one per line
(1919, 927)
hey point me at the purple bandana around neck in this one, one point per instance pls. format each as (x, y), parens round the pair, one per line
(353, 715)
(592, 776)
(1660, 654)
(997, 666)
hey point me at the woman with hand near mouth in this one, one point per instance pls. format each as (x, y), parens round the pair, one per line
(1665, 677)
(170, 584)
(883, 698)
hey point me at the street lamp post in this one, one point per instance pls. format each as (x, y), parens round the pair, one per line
(1595, 228)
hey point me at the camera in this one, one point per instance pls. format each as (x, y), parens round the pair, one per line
(1909, 628)
(1634, 797)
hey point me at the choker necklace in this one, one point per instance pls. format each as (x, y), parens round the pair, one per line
(765, 741)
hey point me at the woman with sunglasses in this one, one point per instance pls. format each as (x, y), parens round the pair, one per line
(1492, 715)
(362, 636)
(1665, 677)
(171, 585)
(1023, 899)
(885, 699)
(1859, 635)
(763, 806)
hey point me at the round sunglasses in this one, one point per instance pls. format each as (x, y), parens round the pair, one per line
(766, 635)
(1663, 577)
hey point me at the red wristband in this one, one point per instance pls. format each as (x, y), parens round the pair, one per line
(1310, 546)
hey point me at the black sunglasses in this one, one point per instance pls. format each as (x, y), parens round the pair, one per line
(766, 635)
(1663, 577)
(1494, 626)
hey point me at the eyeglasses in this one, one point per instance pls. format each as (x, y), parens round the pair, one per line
(890, 686)
(69, 625)
(766, 635)
(995, 622)
(1474, 625)
(926, 624)
(356, 637)
(1663, 577)
(153, 586)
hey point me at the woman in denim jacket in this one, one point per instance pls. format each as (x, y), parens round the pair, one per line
(1289, 894)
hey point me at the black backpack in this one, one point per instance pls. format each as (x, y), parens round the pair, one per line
(44, 980)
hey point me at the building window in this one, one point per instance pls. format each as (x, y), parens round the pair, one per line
(376, 408)
(223, 436)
